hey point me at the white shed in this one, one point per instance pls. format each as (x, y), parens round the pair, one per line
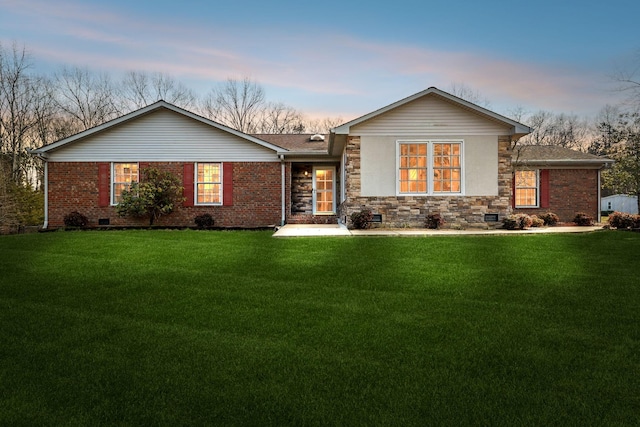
(620, 203)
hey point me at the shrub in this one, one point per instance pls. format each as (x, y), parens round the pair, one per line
(516, 222)
(75, 219)
(159, 193)
(536, 222)
(361, 220)
(583, 219)
(204, 221)
(550, 218)
(434, 221)
(624, 221)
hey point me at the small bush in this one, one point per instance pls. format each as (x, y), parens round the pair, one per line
(583, 219)
(536, 222)
(517, 222)
(75, 219)
(361, 220)
(624, 221)
(550, 218)
(434, 221)
(204, 221)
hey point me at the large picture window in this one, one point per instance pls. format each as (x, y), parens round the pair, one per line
(209, 184)
(429, 167)
(526, 189)
(121, 178)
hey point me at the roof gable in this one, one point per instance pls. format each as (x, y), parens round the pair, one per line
(135, 115)
(393, 112)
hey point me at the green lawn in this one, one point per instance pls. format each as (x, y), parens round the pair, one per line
(239, 328)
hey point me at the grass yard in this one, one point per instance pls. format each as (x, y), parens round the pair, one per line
(239, 328)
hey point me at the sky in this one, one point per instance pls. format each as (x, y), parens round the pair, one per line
(346, 58)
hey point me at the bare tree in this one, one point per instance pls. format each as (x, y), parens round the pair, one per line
(25, 104)
(237, 104)
(465, 92)
(564, 130)
(277, 117)
(324, 125)
(87, 99)
(139, 89)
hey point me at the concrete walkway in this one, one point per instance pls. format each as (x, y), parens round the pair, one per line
(302, 230)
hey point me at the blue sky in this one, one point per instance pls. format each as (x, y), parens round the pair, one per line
(346, 58)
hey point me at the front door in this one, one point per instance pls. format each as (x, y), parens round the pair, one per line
(324, 183)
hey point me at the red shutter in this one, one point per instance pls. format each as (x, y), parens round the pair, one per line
(227, 184)
(103, 184)
(513, 191)
(187, 182)
(141, 167)
(544, 188)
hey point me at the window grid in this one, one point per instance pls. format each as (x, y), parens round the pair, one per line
(446, 167)
(209, 183)
(526, 191)
(123, 175)
(413, 168)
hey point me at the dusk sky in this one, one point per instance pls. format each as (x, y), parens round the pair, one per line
(343, 58)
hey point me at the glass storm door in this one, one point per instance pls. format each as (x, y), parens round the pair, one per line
(324, 182)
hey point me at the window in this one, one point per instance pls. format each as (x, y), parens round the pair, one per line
(122, 177)
(446, 167)
(429, 167)
(413, 168)
(209, 184)
(526, 188)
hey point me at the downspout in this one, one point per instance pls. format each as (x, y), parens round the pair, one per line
(46, 192)
(283, 195)
(599, 199)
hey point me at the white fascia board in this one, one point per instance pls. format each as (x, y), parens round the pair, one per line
(146, 110)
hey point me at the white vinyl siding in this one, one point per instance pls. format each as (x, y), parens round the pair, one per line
(427, 116)
(163, 135)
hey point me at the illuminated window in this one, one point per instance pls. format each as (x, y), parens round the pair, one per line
(526, 191)
(446, 167)
(417, 161)
(121, 178)
(209, 184)
(413, 168)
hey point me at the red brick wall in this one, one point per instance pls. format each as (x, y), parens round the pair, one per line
(570, 191)
(73, 186)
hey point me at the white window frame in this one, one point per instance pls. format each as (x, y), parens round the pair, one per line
(195, 184)
(113, 179)
(537, 187)
(429, 143)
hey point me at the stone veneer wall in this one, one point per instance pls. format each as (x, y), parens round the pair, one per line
(411, 211)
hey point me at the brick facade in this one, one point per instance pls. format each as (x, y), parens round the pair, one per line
(570, 191)
(411, 211)
(257, 201)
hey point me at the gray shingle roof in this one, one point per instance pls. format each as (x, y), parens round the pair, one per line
(295, 142)
(551, 154)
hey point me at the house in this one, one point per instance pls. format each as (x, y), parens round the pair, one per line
(429, 153)
(556, 179)
(620, 203)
